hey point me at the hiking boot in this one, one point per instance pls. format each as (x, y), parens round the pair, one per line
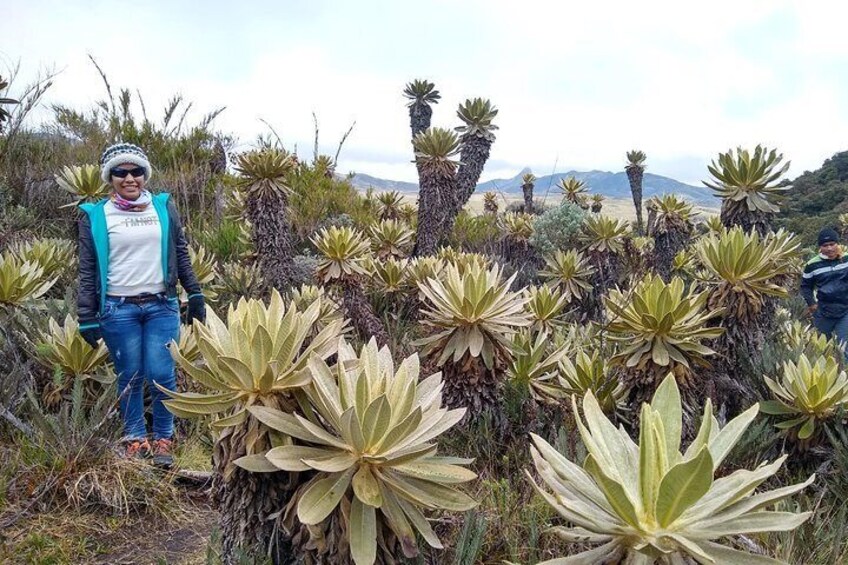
(162, 453)
(136, 448)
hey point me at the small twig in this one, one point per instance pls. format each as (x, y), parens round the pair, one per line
(344, 138)
(23, 512)
(29, 98)
(179, 125)
(106, 82)
(315, 147)
(550, 180)
(23, 427)
(143, 109)
(210, 117)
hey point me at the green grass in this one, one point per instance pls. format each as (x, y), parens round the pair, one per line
(38, 548)
(195, 451)
(821, 540)
(52, 539)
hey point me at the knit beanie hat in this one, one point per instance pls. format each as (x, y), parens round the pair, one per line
(828, 235)
(122, 153)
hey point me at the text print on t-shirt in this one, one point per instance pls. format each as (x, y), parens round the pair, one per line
(151, 220)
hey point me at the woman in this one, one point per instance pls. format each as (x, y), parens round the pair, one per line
(132, 251)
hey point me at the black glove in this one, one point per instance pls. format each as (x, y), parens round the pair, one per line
(91, 336)
(196, 309)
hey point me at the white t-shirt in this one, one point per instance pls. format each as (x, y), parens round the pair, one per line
(135, 252)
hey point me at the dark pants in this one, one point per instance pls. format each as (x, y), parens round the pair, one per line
(833, 327)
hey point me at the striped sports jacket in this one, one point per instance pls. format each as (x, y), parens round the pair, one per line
(825, 282)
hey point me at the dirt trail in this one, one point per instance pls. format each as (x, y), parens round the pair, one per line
(182, 544)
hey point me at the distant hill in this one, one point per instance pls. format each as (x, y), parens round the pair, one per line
(364, 182)
(816, 198)
(611, 185)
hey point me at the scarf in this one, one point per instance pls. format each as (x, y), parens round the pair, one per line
(138, 205)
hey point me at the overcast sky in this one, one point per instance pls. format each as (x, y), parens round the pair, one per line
(577, 83)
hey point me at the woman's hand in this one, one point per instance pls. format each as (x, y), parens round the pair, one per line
(196, 309)
(91, 336)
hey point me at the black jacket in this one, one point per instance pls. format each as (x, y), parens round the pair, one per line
(94, 256)
(829, 279)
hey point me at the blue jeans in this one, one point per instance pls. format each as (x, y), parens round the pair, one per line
(137, 336)
(833, 327)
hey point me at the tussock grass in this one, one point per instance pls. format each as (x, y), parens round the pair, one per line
(71, 462)
(93, 477)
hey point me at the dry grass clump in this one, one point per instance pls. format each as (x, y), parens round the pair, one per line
(70, 461)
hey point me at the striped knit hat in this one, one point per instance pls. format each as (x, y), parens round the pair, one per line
(119, 154)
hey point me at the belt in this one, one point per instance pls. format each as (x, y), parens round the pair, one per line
(141, 298)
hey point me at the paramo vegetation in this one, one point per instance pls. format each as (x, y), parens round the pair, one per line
(381, 380)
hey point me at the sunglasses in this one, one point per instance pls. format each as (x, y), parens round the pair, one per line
(122, 173)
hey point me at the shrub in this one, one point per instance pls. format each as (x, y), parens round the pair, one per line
(227, 240)
(557, 228)
(475, 233)
(304, 269)
(314, 198)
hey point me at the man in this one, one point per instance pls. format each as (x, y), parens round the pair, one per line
(824, 285)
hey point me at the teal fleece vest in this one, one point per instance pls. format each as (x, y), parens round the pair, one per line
(100, 237)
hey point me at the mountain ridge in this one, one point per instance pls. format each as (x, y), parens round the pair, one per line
(607, 183)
